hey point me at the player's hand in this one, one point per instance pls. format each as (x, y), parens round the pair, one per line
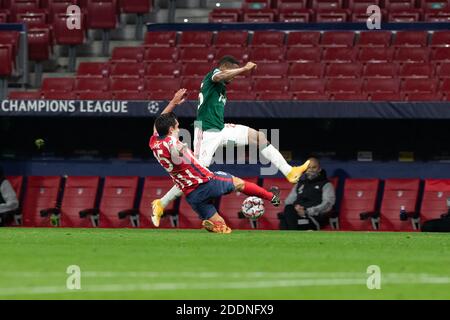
(249, 66)
(179, 97)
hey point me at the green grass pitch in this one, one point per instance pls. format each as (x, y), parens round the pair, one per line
(195, 264)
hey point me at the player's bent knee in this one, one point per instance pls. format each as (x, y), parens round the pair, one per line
(238, 183)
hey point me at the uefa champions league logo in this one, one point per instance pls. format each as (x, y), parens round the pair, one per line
(153, 107)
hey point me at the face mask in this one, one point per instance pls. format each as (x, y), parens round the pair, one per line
(312, 175)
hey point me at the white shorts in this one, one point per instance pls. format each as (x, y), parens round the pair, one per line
(207, 142)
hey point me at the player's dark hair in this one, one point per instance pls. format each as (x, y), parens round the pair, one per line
(227, 60)
(164, 122)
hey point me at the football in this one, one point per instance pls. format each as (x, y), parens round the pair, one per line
(253, 207)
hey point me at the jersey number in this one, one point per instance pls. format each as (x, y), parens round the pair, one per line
(162, 159)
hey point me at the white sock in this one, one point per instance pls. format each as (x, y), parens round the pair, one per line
(272, 154)
(171, 195)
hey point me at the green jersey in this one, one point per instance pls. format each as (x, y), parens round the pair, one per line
(212, 99)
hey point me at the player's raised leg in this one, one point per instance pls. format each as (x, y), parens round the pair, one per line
(292, 174)
(158, 205)
(251, 189)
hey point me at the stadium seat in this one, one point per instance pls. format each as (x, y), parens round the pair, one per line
(231, 39)
(269, 220)
(241, 54)
(39, 44)
(259, 16)
(3, 17)
(216, 16)
(341, 70)
(130, 95)
(63, 35)
(230, 206)
(196, 69)
(443, 71)
(274, 96)
(155, 188)
(344, 86)
(18, 6)
(398, 194)
(440, 39)
(93, 69)
(136, 6)
(240, 85)
(79, 195)
(434, 200)
(359, 197)
(412, 55)
(410, 39)
(59, 95)
(296, 15)
(188, 218)
(58, 84)
(267, 39)
(41, 193)
(95, 95)
(381, 70)
(337, 39)
(433, 5)
(128, 69)
(241, 96)
(445, 86)
(7, 67)
(375, 55)
(131, 54)
(303, 39)
(382, 86)
(102, 14)
(255, 4)
(294, 4)
(399, 4)
(126, 84)
(24, 95)
(165, 70)
(362, 4)
(385, 96)
(193, 87)
(32, 19)
(304, 55)
(119, 194)
(420, 96)
(326, 4)
(418, 86)
(332, 15)
(194, 54)
(166, 54)
(339, 55)
(57, 7)
(349, 96)
(271, 70)
(267, 54)
(270, 85)
(91, 84)
(306, 70)
(160, 38)
(405, 15)
(438, 16)
(162, 84)
(374, 39)
(440, 55)
(10, 38)
(307, 86)
(195, 39)
(416, 70)
(17, 184)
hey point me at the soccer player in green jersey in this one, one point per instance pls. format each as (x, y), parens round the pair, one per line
(211, 132)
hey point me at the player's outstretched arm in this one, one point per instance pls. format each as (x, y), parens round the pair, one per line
(229, 74)
(177, 99)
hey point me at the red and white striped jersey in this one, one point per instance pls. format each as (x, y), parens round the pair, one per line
(179, 162)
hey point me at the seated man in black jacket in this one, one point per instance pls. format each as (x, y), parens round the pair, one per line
(8, 199)
(310, 201)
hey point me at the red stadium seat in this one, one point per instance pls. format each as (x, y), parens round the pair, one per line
(41, 193)
(240, 85)
(240, 95)
(161, 38)
(136, 6)
(197, 54)
(127, 84)
(196, 69)
(291, 4)
(268, 39)
(59, 95)
(326, 4)
(255, 4)
(398, 194)
(230, 206)
(91, 84)
(362, 4)
(3, 17)
(303, 39)
(374, 55)
(374, 39)
(410, 39)
(399, 4)
(385, 96)
(271, 70)
(304, 55)
(259, 16)
(231, 39)
(381, 70)
(296, 15)
(24, 95)
(39, 44)
(102, 14)
(193, 87)
(17, 6)
(10, 38)
(382, 86)
(119, 194)
(195, 39)
(416, 70)
(310, 96)
(405, 15)
(344, 86)
(57, 7)
(165, 70)
(128, 69)
(434, 5)
(241, 54)
(438, 16)
(361, 15)
(131, 95)
(267, 54)
(187, 217)
(79, 194)
(307, 86)
(223, 16)
(155, 188)
(440, 55)
(132, 54)
(339, 55)
(32, 19)
(95, 95)
(443, 71)
(420, 96)
(418, 86)
(274, 96)
(434, 201)
(440, 39)
(332, 15)
(270, 85)
(342, 70)
(306, 70)
(359, 197)
(16, 183)
(414, 55)
(63, 35)
(166, 54)
(6, 67)
(163, 84)
(349, 96)
(58, 84)
(337, 39)
(93, 69)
